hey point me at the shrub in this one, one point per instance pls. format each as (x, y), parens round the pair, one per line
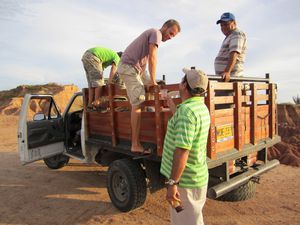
(297, 100)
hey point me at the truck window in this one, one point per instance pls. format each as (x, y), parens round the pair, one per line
(42, 109)
(77, 104)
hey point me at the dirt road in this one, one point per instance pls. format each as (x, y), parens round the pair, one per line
(76, 194)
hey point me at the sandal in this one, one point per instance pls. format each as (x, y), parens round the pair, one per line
(144, 152)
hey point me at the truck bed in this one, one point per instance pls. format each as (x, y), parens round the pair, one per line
(246, 125)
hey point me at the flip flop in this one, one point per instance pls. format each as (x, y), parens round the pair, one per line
(144, 152)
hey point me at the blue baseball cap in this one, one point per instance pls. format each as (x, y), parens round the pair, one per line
(226, 17)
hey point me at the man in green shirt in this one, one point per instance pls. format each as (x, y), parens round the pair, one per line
(95, 60)
(184, 152)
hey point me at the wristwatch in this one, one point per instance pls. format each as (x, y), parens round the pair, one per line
(171, 182)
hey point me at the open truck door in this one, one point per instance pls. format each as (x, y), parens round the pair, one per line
(40, 130)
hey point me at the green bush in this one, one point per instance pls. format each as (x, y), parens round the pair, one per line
(297, 100)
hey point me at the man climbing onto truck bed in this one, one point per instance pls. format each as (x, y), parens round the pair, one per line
(95, 60)
(132, 67)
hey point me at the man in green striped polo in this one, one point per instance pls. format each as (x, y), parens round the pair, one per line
(184, 153)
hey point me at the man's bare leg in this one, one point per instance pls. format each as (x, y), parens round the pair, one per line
(135, 129)
(98, 93)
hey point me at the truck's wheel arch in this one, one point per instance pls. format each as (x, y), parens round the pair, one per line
(56, 161)
(105, 158)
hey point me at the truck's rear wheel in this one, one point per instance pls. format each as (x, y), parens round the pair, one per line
(126, 184)
(57, 161)
(244, 192)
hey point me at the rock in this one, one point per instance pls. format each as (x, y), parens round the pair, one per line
(288, 150)
(11, 101)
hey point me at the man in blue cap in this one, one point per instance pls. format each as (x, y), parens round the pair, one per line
(229, 62)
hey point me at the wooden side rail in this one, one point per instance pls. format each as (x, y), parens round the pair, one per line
(209, 101)
(238, 123)
(250, 115)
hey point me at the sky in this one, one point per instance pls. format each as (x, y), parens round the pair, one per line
(43, 41)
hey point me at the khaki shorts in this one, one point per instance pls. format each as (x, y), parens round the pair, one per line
(193, 201)
(93, 69)
(134, 82)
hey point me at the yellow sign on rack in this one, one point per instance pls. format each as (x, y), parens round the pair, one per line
(224, 132)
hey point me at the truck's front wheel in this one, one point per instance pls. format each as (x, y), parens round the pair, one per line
(57, 161)
(126, 184)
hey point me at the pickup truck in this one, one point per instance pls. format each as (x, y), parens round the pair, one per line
(240, 134)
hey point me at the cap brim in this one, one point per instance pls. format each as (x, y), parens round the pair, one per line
(223, 20)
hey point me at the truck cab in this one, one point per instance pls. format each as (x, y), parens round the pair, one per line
(44, 133)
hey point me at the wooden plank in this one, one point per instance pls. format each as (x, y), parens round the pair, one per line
(224, 146)
(262, 86)
(246, 98)
(224, 120)
(158, 122)
(253, 113)
(223, 99)
(263, 108)
(112, 115)
(262, 98)
(102, 133)
(117, 90)
(238, 116)
(100, 125)
(272, 109)
(223, 112)
(223, 86)
(85, 101)
(121, 104)
(262, 132)
(209, 101)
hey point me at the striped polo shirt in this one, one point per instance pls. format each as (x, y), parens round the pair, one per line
(236, 41)
(188, 129)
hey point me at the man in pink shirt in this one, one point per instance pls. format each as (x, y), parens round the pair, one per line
(131, 69)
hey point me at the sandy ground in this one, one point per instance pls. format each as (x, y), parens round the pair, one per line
(76, 194)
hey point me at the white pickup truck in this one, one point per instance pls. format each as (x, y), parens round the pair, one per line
(239, 138)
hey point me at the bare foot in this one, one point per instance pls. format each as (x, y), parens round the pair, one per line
(137, 148)
(140, 150)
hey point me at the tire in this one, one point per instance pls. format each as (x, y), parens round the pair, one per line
(244, 192)
(126, 184)
(57, 161)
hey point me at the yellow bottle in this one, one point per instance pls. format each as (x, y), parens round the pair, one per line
(177, 206)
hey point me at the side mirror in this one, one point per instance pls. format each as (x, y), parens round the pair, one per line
(39, 116)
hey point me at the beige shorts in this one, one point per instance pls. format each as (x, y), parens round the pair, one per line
(134, 82)
(193, 201)
(93, 69)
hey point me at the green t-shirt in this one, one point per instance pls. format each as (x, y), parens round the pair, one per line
(106, 56)
(188, 129)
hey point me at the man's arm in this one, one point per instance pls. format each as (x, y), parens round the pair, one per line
(179, 161)
(152, 62)
(180, 158)
(112, 73)
(231, 62)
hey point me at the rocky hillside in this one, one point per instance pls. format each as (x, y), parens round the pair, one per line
(11, 100)
(288, 150)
